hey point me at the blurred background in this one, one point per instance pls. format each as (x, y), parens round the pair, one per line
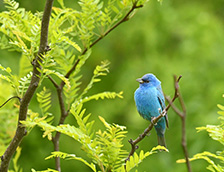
(176, 37)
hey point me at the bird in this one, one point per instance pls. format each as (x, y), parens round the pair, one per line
(150, 102)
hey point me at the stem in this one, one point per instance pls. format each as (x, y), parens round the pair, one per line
(21, 131)
(56, 138)
(134, 143)
(9, 100)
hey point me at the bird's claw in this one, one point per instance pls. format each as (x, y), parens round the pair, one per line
(152, 120)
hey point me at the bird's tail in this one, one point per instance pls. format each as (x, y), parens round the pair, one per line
(161, 140)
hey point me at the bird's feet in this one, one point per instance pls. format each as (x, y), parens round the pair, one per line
(148, 134)
(152, 120)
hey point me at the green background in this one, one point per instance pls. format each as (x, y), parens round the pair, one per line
(176, 37)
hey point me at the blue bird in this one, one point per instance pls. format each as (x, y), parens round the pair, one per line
(150, 102)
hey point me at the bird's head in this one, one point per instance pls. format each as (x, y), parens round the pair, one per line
(148, 80)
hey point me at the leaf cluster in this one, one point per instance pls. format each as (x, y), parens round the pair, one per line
(104, 147)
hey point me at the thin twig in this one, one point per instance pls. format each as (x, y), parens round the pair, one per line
(182, 114)
(53, 81)
(134, 143)
(9, 100)
(21, 131)
(56, 138)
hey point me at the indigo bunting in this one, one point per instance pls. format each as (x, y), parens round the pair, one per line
(150, 102)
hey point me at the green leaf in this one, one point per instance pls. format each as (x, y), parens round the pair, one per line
(72, 43)
(61, 2)
(11, 4)
(59, 75)
(44, 99)
(99, 71)
(24, 83)
(104, 122)
(15, 160)
(69, 157)
(220, 107)
(25, 66)
(9, 77)
(48, 170)
(206, 156)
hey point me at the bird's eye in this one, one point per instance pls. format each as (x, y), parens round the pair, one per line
(146, 81)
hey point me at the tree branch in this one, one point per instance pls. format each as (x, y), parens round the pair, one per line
(182, 114)
(21, 131)
(56, 138)
(134, 143)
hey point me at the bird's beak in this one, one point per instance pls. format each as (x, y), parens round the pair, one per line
(139, 80)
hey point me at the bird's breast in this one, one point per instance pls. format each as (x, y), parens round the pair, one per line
(147, 102)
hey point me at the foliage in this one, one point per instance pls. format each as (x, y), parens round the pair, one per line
(44, 99)
(48, 170)
(8, 117)
(103, 147)
(15, 161)
(173, 34)
(216, 132)
(72, 34)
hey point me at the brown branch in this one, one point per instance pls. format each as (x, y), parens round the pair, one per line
(56, 138)
(182, 114)
(21, 131)
(134, 143)
(64, 114)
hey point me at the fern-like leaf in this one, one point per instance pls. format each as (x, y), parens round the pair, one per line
(78, 113)
(207, 156)
(100, 70)
(48, 170)
(11, 4)
(71, 156)
(16, 36)
(59, 75)
(136, 159)
(24, 83)
(15, 161)
(90, 11)
(9, 77)
(110, 145)
(72, 93)
(44, 99)
(108, 95)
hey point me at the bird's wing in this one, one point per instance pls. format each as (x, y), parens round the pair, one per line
(161, 100)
